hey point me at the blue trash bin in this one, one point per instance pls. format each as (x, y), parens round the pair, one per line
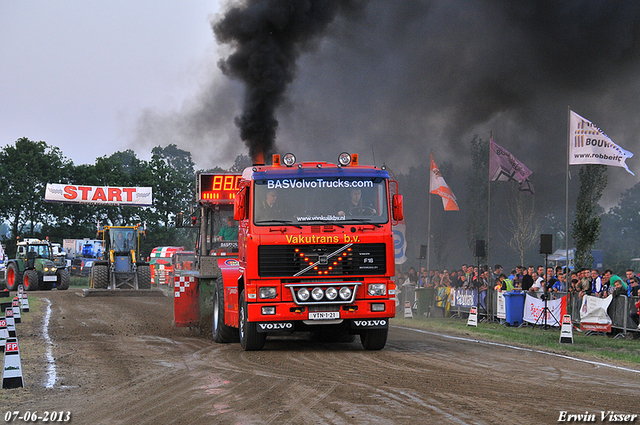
(514, 306)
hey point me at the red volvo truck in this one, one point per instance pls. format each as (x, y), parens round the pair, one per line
(315, 252)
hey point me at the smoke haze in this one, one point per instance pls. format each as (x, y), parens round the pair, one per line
(399, 79)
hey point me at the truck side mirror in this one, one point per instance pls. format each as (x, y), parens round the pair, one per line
(239, 205)
(398, 208)
(180, 220)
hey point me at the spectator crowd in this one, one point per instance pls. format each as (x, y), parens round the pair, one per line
(534, 280)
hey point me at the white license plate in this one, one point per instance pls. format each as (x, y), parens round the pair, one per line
(324, 315)
(49, 278)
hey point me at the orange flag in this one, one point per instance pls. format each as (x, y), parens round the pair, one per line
(440, 187)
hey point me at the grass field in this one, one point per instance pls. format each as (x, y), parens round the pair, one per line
(605, 348)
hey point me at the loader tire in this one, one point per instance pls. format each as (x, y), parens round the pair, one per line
(144, 277)
(99, 277)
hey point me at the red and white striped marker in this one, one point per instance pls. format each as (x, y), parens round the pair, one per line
(4, 334)
(24, 303)
(15, 305)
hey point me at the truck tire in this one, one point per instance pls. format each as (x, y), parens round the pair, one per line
(221, 332)
(64, 279)
(374, 339)
(250, 338)
(14, 277)
(99, 277)
(30, 280)
(144, 276)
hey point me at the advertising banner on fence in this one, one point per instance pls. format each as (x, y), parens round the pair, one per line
(463, 297)
(534, 307)
(99, 195)
(399, 242)
(593, 314)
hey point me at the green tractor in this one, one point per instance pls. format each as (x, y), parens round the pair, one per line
(36, 267)
(121, 266)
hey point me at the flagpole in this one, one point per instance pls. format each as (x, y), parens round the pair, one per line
(566, 200)
(489, 210)
(429, 220)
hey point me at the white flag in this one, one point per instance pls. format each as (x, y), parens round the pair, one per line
(590, 145)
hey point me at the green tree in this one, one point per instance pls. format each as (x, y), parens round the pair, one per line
(522, 226)
(123, 169)
(173, 181)
(586, 226)
(26, 167)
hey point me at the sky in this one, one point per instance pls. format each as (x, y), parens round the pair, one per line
(393, 81)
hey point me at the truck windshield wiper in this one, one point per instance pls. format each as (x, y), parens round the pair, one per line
(331, 223)
(285, 222)
(363, 220)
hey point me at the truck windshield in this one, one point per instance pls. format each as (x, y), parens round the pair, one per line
(325, 200)
(122, 239)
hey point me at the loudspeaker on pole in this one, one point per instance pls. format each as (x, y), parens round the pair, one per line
(546, 244)
(423, 252)
(479, 248)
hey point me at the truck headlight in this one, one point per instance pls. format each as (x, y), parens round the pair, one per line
(268, 292)
(377, 289)
(345, 293)
(317, 293)
(303, 294)
(331, 293)
(344, 159)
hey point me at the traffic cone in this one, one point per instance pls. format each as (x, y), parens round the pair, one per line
(4, 334)
(16, 310)
(25, 303)
(11, 324)
(12, 371)
(20, 290)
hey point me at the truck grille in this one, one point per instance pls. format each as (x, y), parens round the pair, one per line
(322, 260)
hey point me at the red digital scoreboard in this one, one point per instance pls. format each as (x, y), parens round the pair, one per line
(219, 188)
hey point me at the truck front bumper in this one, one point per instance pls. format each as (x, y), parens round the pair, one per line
(370, 314)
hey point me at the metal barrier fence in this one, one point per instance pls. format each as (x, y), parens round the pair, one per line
(429, 302)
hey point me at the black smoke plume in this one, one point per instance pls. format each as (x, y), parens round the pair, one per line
(268, 36)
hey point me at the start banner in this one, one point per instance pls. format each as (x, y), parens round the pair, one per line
(99, 195)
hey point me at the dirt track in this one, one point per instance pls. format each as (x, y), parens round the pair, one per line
(121, 360)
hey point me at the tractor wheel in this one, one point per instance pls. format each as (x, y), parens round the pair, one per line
(374, 339)
(221, 332)
(63, 280)
(30, 280)
(250, 338)
(14, 277)
(144, 277)
(99, 277)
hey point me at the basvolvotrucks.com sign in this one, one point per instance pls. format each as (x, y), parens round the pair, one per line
(99, 195)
